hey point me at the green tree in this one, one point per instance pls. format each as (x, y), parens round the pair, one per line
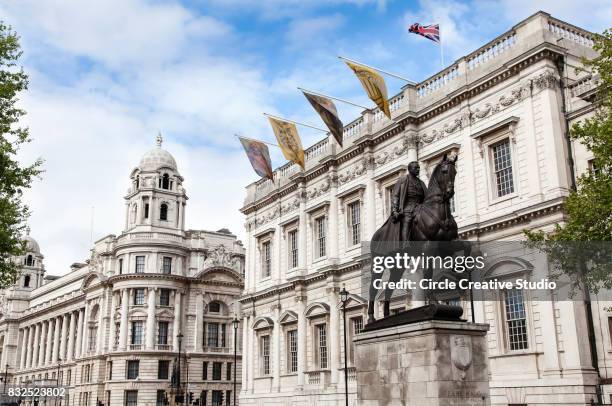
(14, 176)
(574, 246)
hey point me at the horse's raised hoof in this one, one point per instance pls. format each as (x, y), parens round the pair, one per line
(371, 318)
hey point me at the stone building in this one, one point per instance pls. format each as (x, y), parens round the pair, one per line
(109, 329)
(505, 109)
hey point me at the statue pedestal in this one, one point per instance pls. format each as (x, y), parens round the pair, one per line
(424, 363)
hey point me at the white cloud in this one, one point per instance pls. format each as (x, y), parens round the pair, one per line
(313, 30)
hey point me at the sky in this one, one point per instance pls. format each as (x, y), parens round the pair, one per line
(107, 76)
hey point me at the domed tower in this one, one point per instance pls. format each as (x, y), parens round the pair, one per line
(156, 200)
(31, 263)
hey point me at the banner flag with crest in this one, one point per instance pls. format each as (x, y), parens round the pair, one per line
(373, 84)
(288, 141)
(259, 155)
(329, 114)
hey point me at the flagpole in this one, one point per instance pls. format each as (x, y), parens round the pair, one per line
(253, 139)
(441, 48)
(296, 122)
(380, 70)
(334, 98)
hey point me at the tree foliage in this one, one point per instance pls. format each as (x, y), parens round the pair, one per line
(14, 176)
(589, 207)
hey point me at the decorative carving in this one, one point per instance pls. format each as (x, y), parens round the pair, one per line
(318, 191)
(268, 217)
(352, 173)
(461, 354)
(221, 257)
(546, 80)
(289, 207)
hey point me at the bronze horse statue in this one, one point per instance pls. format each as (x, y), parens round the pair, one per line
(433, 221)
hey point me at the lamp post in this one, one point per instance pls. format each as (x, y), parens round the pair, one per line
(344, 298)
(57, 381)
(235, 323)
(178, 379)
(5, 377)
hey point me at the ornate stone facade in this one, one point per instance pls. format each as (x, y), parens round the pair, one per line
(502, 109)
(109, 329)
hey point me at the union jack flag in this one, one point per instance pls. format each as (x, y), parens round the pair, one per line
(431, 31)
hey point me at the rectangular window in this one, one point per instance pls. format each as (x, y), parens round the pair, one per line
(167, 265)
(216, 371)
(293, 249)
(223, 335)
(265, 355)
(228, 371)
(146, 210)
(217, 398)
(92, 339)
(388, 200)
(161, 398)
(131, 398)
(110, 370)
(205, 371)
(228, 396)
(502, 165)
(321, 231)
(292, 346)
(137, 329)
(357, 325)
(139, 296)
(132, 369)
(354, 210)
(322, 341)
(140, 264)
(516, 320)
(213, 335)
(120, 266)
(164, 297)
(266, 259)
(163, 366)
(162, 333)
(117, 331)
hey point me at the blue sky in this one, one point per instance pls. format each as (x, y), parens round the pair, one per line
(105, 78)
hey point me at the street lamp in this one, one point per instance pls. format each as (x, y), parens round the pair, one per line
(344, 298)
(57, 381)
(178, 379)
(5, 377)
(235, 323)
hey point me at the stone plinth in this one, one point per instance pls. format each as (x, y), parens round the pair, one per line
(427, 363)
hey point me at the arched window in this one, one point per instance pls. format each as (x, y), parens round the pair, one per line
(30, 260)
(214, 307)
(166, 181)
(163, 212)
(137, 181)
(26, 281)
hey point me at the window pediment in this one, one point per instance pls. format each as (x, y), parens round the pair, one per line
(317, 309)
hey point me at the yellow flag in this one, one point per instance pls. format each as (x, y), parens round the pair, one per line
(374, 85)
(288, 140)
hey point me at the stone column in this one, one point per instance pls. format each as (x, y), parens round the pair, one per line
(277, 344)
(301, 331)
(24, 347)
(150, 327)
(64, 338)
(43, 342)
(123, 326)
(79, 335)
(177, 319)
(332, 231)
(85, 341)
(246, 368)
(334, 336)
(71, 333)
(56, 340)
(49, 348)
(251, 353)
(33, 357)
(199, 320)
(302, 234)
(370, 199)
(101, 329)
(112, 328)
